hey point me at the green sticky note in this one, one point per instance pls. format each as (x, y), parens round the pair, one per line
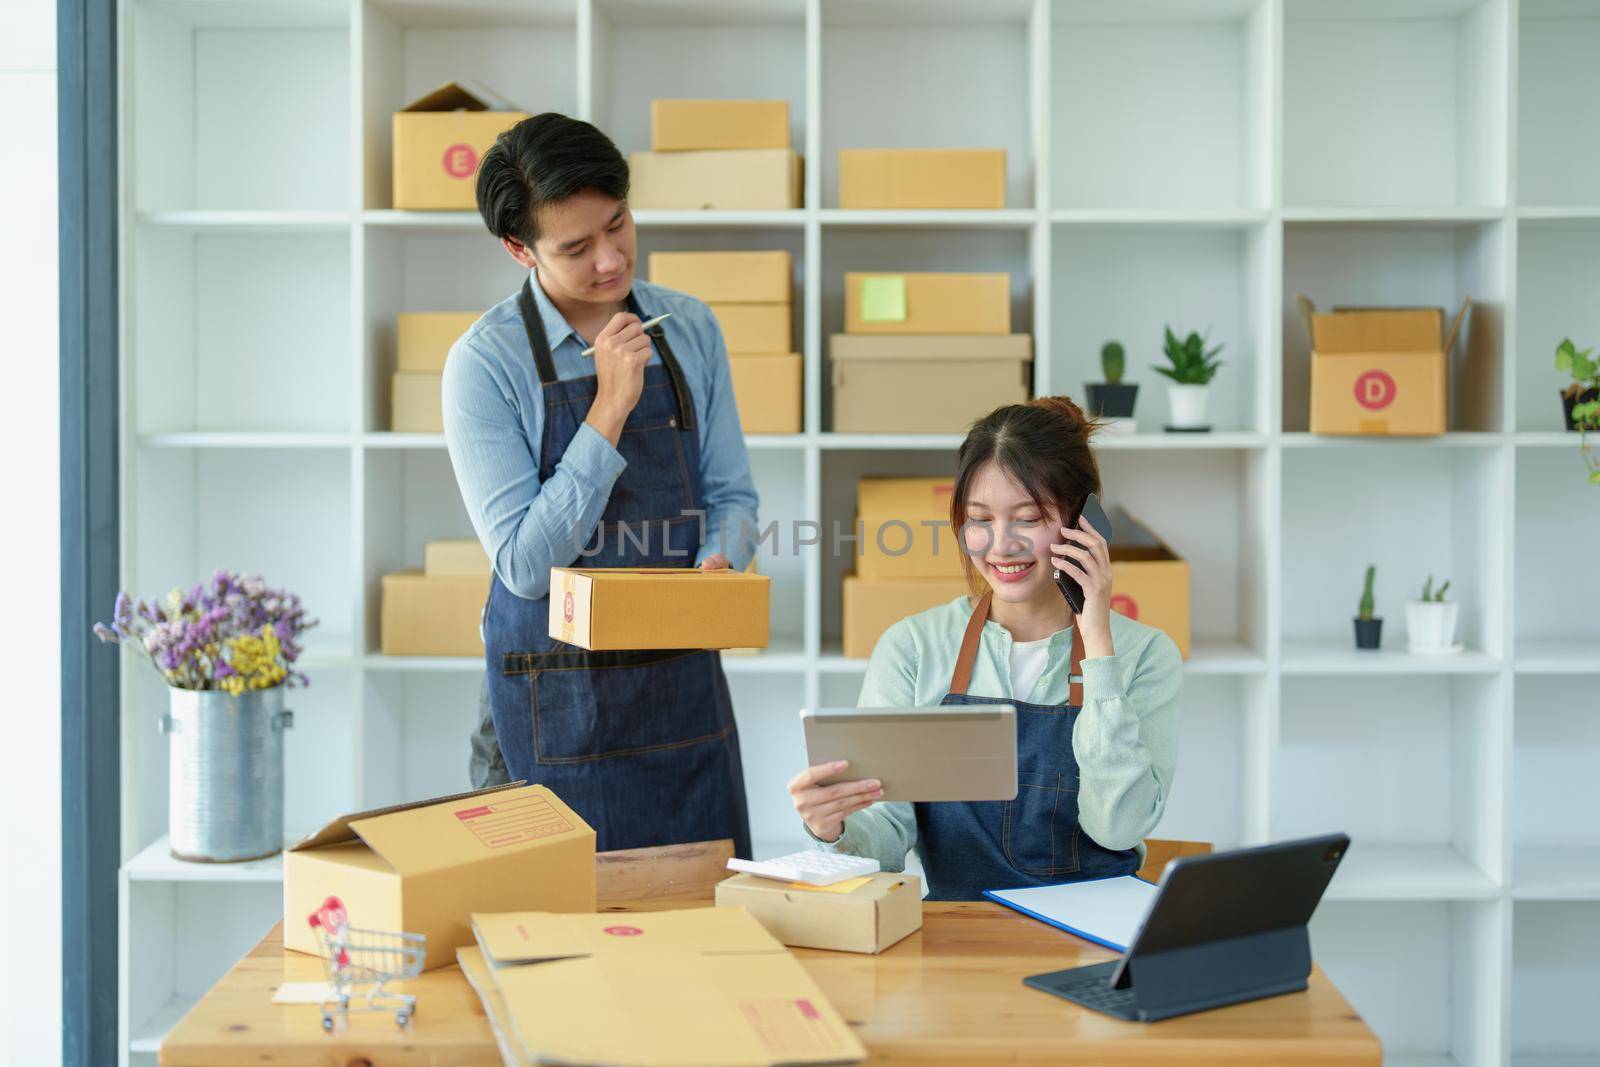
(883, 299)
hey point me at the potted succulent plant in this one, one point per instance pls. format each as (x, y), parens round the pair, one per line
(1113, 399)
(1431, 621)
(1369, 627)
(1580, 398)
(1191, 369)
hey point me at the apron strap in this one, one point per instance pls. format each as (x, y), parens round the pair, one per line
(534, 326)
(680, 385)
(962, 676)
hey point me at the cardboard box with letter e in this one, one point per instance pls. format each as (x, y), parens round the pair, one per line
(439, 140)
(615, 608)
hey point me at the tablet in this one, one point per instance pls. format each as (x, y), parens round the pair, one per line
(963, 752)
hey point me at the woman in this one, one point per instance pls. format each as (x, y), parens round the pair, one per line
(1095, 757)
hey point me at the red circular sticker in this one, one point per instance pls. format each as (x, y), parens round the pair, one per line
(566, 607)
(624, 931)
(1125, 605)
(1375, 390)
(460, 161)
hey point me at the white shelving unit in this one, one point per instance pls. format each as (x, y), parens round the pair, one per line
(1196, 163)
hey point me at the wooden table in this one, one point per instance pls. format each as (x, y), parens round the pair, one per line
(951, 992)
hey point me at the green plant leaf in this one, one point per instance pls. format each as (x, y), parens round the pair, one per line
(1583, 367)
(1564, 353)
(1594, 477)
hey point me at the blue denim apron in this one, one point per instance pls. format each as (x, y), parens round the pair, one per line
(642, 744)
(1034, 840)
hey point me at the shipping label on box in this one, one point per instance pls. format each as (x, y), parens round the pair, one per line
(763, 180)
(701, 125)
(439, 140)
(911, 178)
(1380, 371)
(438, 615)
(757, 329)
(905, 529)
(767, 390)
(425, 867)
(659, 608)
(927, 303)
(866, 914)
(425, 338)
(726, 277)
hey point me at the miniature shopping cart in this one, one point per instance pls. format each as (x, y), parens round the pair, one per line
(359, 962)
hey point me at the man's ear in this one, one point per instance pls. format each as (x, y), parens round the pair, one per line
(518, 251)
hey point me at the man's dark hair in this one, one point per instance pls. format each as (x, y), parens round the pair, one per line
(544, 160)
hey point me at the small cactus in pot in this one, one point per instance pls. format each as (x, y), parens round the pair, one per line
(1112, 399)
(1369, 627)
(1431, 620)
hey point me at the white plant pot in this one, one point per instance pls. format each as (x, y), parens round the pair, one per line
(1431, 625)
(1187, 404)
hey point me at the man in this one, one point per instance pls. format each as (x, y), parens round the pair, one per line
(631, 458)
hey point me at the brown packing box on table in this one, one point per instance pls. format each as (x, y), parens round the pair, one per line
(893, 178)
(699, 125)
(425, 867)
(454, 559)
(935, 302)
(1148, 580)
(932, 384)
(1380, 370)
(860, 915)
(700, 987)
(640, 608)
(439, 140)
(415, 404)
(763, 329)
(889, 549)
(424, 338)
(726, 277)
(871, 606)
(760, 180)
(437, 615)
(767, 391)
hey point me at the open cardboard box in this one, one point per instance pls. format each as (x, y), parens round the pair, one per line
(425, 867)
(1380, 370)
(439, 140)
(867, 914)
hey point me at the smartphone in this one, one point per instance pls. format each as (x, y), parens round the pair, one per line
(1100, 521)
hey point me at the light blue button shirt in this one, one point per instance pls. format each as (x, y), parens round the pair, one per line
(494, 424)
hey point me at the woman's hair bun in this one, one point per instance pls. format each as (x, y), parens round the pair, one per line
(1071, 416)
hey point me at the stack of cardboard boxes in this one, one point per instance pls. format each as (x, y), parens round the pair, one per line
(424, 340)
(749, 293)
(908, 557)
(926, 352)
(727, 155)
(920, 178)
(439, 140)
(436, 611)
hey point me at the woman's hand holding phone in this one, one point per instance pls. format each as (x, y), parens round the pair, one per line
(1085, 557)
(825, 807)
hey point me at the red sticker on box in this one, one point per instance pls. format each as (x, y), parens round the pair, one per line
(624, 931)
(1375, 390)
(1125, 605)
(567, 607)
(460, 161)
(499, 824)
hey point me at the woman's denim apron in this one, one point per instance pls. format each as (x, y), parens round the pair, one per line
(967, 847)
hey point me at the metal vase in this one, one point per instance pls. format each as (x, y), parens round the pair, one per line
(225, 774)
